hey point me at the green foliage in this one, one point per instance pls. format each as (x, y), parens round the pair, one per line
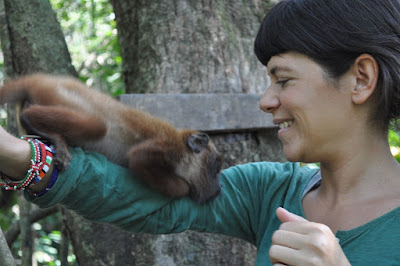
(89, 28)
(7, 216)
(90, 32)
(3, 117)
(47, 248)
(394, 141)
(47, 241)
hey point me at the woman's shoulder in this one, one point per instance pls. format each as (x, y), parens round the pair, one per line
(276, 169)
(269, 174)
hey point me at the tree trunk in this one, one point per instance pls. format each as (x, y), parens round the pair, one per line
(32, 41)
(190, 46)
(26, 230)
(5, 254)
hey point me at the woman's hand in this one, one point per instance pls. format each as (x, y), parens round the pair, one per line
(300, 242)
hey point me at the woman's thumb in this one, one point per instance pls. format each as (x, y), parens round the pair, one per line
(286, 216)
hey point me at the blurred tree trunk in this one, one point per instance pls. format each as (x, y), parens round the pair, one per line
(5, 254)
(190, 46)
(31, 41)
(26, 230)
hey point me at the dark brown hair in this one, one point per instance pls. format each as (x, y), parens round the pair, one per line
(334, 33)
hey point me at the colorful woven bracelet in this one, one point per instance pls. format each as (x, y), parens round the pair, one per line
(53, 180)
(42, 156)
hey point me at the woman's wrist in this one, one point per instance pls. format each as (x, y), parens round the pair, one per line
(20, 159)
(41, 186)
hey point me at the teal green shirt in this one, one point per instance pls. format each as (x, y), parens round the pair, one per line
(251, 193)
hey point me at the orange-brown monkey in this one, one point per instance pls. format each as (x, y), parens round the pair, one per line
(64, 111)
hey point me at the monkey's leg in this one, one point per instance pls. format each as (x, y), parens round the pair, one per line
(156, 167)
(62, 127)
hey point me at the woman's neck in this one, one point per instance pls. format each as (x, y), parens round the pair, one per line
(354, 191)
(361, 169)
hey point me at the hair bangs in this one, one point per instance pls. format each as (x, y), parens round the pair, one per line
(282, 30)
(272, 37)
(294, 26)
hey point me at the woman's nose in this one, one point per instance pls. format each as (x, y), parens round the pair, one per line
(269, 101)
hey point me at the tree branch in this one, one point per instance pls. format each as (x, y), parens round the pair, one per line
(6, 256)
(36, 215)
(26, 230)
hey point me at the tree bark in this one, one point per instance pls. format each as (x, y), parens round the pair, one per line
(190, 46)
(26, 230)
(7, 258)
(32, 41)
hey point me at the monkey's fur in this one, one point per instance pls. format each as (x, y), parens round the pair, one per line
(66, 112)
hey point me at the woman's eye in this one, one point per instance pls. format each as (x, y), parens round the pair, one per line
(282, 82)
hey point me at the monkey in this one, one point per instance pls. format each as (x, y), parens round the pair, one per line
(66, 112)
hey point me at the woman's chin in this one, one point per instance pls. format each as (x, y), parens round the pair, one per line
(291, 157)
(292, 154)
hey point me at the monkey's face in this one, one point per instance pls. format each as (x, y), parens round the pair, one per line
(200, 167)
(183, 165)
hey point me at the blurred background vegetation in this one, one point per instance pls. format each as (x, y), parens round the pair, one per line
(394, 141)
(90, 31)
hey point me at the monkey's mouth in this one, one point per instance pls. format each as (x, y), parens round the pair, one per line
(214, 165)
(216, 194)
(202, 198)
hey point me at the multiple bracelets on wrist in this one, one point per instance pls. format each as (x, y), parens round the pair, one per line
(42, 156)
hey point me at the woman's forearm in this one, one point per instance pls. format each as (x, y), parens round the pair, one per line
(15, 155)
(15, 160)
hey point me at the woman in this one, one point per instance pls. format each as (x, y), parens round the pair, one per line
(335, 77)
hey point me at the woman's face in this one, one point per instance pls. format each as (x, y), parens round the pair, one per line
(314, 112)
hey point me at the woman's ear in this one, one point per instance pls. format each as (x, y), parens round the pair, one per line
(366, 71)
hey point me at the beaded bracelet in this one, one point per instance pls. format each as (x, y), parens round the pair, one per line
(53, 180)
(42, 156)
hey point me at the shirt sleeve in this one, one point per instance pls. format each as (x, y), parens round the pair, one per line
(105, 192)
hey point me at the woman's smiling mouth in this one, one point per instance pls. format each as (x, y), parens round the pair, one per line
(285, 124)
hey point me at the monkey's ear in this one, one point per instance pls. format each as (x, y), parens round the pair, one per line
(197, 142)
(155, 166)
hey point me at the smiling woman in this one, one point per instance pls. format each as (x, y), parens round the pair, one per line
(335, 88)
(305, 103)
